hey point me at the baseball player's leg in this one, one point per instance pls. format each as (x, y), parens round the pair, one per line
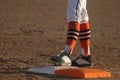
(73, 25)
(72, 36)
(73, 29)
(84, 36)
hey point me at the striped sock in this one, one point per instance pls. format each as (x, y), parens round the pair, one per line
(84, 38)
(72, 36)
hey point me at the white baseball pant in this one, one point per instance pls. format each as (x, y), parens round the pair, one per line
(76, 11)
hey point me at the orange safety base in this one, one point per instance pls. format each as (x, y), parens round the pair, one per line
(82, 73)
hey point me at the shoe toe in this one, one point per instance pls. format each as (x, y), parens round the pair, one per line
(55, 58)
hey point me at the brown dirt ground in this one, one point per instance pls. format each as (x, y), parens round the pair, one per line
(31, 31)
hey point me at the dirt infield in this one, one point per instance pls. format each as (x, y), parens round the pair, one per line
(31, 31)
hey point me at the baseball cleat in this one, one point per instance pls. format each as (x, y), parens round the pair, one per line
(82, 61)
(62, 59)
